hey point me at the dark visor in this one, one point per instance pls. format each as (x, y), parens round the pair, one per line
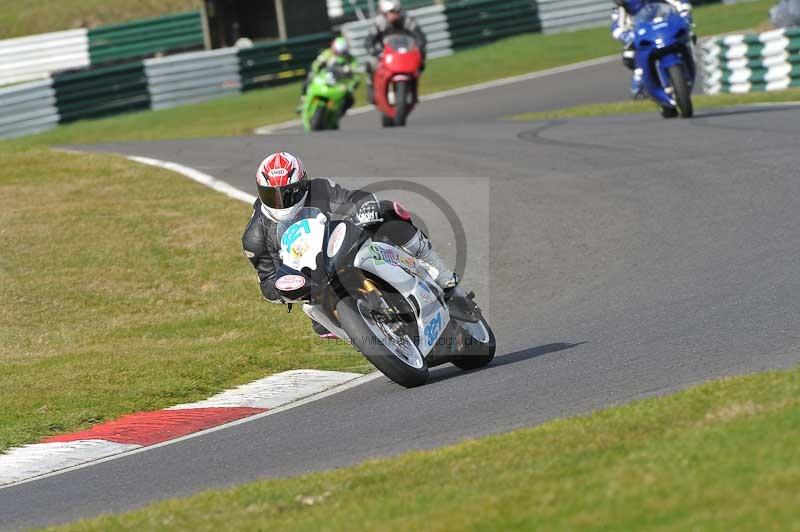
(283, 197)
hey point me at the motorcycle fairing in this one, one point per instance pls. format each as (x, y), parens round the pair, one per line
(404, 273)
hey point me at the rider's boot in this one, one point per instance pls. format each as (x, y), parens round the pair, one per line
(460, 303)
(420, 247)
(636, 84)
(323, 332)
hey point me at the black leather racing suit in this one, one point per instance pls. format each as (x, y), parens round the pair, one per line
(260, 238)
(381, 29)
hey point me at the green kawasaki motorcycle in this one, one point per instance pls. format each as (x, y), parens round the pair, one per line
(326, 97)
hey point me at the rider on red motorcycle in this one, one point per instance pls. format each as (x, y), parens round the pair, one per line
(392, 18)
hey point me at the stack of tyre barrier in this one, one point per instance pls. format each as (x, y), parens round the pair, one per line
(749, 63)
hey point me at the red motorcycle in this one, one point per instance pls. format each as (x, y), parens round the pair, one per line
(397, 78)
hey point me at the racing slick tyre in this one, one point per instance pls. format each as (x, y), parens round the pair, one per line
(401, 92)
(681, 90)
(376, 337)
(480, 348)
(318, 120)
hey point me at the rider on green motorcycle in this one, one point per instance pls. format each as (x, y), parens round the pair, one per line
(338, 54)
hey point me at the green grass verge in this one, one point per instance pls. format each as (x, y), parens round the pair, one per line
(721, 456)
(237, 115)
(26, 17)
(125, 289)
(702, 101)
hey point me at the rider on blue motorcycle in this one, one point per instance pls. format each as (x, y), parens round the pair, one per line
(622, 30)
(284, 188)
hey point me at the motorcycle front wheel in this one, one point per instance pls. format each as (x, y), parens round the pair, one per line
(318, 119)
(681, 90)
(377, 337)
(401, 99)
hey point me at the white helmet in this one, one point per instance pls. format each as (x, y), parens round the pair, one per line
(340, 46)
(389, 5)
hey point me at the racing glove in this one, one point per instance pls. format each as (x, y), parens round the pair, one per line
(369, 213)
(627, 39)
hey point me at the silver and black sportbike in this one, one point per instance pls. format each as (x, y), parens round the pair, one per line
(380, 298)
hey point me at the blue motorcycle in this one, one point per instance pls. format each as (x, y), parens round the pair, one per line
(663, 50)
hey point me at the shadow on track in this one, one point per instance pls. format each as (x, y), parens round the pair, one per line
(449, 372)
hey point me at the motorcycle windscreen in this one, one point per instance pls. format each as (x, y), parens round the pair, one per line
(400, 42)
(652, 13)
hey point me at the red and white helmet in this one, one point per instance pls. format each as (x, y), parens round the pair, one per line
(282, 184)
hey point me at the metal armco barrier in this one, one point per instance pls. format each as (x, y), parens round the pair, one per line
(757, 62)
(193, 77)
(38, 56)
(27, 108)
(101, 91)
(477, 22)
(143, 38)
(559, 15)
(35, 57)
(269, 64)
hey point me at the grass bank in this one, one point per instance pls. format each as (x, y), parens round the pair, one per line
(238, 115)
(721, 456)
(125, 289)
(701, 101)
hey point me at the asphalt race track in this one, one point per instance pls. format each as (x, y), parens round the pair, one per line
(618, 257)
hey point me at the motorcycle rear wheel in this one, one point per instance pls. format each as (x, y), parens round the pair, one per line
(681, 90)
(408, 369)
(480, 352)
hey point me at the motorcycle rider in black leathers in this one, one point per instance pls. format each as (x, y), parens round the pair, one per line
(284, 188)
(391, 18)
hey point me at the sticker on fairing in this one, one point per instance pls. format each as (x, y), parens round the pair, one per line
(300, 244)
(425, 292)
(433, 329)
(290, 283)
(386, 255)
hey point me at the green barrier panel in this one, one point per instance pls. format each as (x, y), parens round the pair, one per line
(101, 91)
(144, 38)
(280, 62)
(476, 22)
